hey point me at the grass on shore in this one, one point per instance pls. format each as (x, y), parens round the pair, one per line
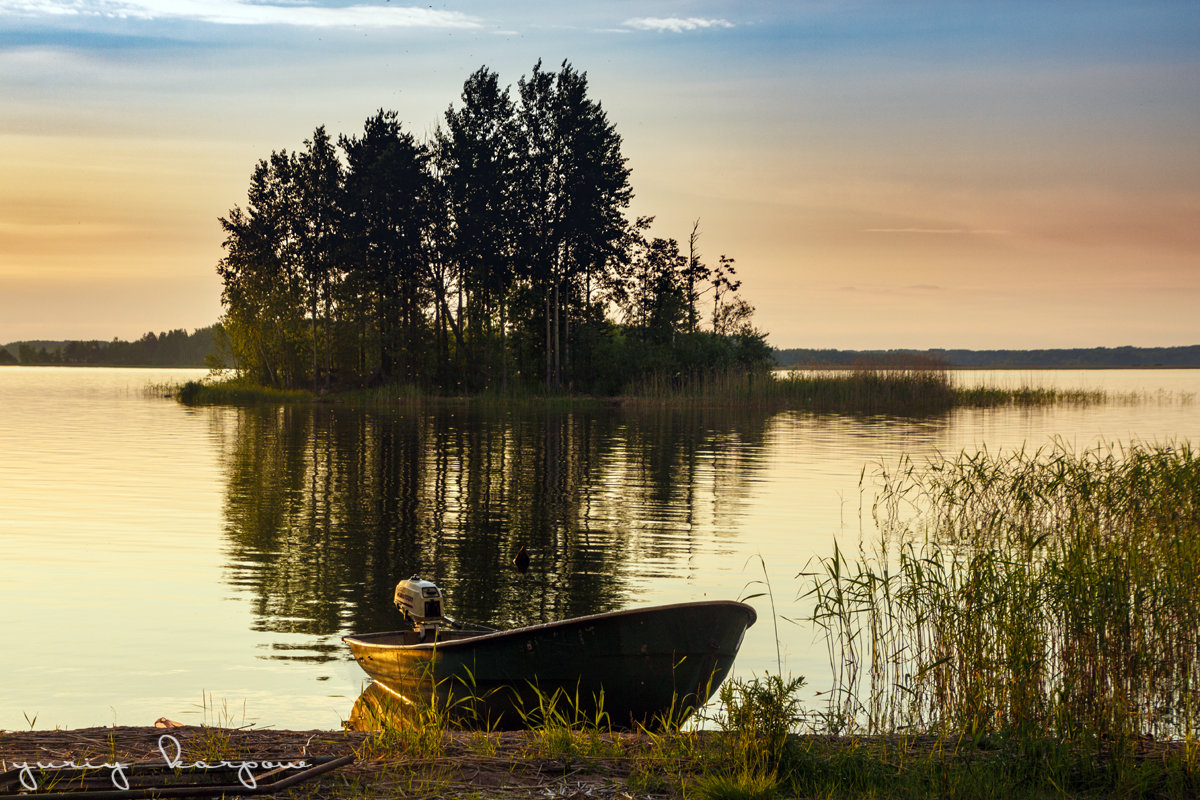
(760, 744)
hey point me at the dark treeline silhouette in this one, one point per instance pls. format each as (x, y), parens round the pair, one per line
(498, 254)
(175, 348)
(1078, 358)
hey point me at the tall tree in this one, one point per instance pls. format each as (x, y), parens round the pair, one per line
(388, 204)
(318, 175)
(659, 297)
(575, 187)
(263, 293)
(723, 284)
(694, 273)
(477, 162)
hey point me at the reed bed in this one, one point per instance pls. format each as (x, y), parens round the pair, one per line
(902, 392)
(905, 392)
(1048, 599)
(236, 392)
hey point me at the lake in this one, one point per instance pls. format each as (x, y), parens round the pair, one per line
(203, 563)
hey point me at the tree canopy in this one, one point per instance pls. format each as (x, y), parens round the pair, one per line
(496, 254)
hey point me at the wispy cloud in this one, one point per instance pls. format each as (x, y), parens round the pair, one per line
(675, 24)
(241, 12)
(892, 289)
(943, 231)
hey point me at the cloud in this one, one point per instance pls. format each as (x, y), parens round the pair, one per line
(943, 231)
(675, 24)
(242, 12)
(889, 289)
(56, 231)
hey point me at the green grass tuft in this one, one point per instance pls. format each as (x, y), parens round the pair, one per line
(743, 785)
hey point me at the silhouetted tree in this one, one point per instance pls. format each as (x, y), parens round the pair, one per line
(263, 293)
(388, 205)
(317, 175)
(575, 188)
(477, 162)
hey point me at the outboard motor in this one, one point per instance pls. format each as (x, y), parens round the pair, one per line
(421, 604)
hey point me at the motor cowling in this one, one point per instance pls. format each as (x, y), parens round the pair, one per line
(420, 602)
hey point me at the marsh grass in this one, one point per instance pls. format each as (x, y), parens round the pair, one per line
(232, 392)
(906, 392)
(1044, 603)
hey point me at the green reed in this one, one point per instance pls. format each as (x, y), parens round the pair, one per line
(1046, 596)
(858, 391)
(233, 392)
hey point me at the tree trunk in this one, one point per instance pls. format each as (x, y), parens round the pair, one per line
(313, 312)
(549, 361)
(557, 340)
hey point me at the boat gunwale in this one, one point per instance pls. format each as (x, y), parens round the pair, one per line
(358, 639)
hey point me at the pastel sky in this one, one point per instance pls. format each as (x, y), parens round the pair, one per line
(886, 173)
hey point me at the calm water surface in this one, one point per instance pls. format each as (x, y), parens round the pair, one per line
(202, 564)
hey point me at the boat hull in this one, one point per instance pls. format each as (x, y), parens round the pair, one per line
(625, 668)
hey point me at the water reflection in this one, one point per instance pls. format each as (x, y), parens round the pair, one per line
(216, 537)
(326, 508)
(377, 709)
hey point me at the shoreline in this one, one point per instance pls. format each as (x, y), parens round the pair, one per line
(505, 765)
(583, 763)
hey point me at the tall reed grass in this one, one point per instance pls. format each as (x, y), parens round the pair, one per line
(1047, 596)
(236, 392)
(861, 391)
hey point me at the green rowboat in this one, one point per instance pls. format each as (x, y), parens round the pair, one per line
(634, 666)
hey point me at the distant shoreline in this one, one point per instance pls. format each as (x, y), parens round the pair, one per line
(961, 368)
(1187, 357)
(1063, 358)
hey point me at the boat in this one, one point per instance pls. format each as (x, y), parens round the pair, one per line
(642, 666)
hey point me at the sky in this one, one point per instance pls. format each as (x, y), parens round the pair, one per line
(885, 173)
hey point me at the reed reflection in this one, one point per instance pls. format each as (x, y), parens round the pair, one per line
(327, 508)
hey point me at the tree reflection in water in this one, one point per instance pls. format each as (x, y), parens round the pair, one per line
(326, 508)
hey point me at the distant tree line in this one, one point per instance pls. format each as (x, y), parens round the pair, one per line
(496, 254)
(175, 348)
(1068, 358)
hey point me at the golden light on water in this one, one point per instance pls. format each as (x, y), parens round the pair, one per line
(156, 552)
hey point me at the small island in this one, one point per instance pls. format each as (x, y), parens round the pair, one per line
(497, 256)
